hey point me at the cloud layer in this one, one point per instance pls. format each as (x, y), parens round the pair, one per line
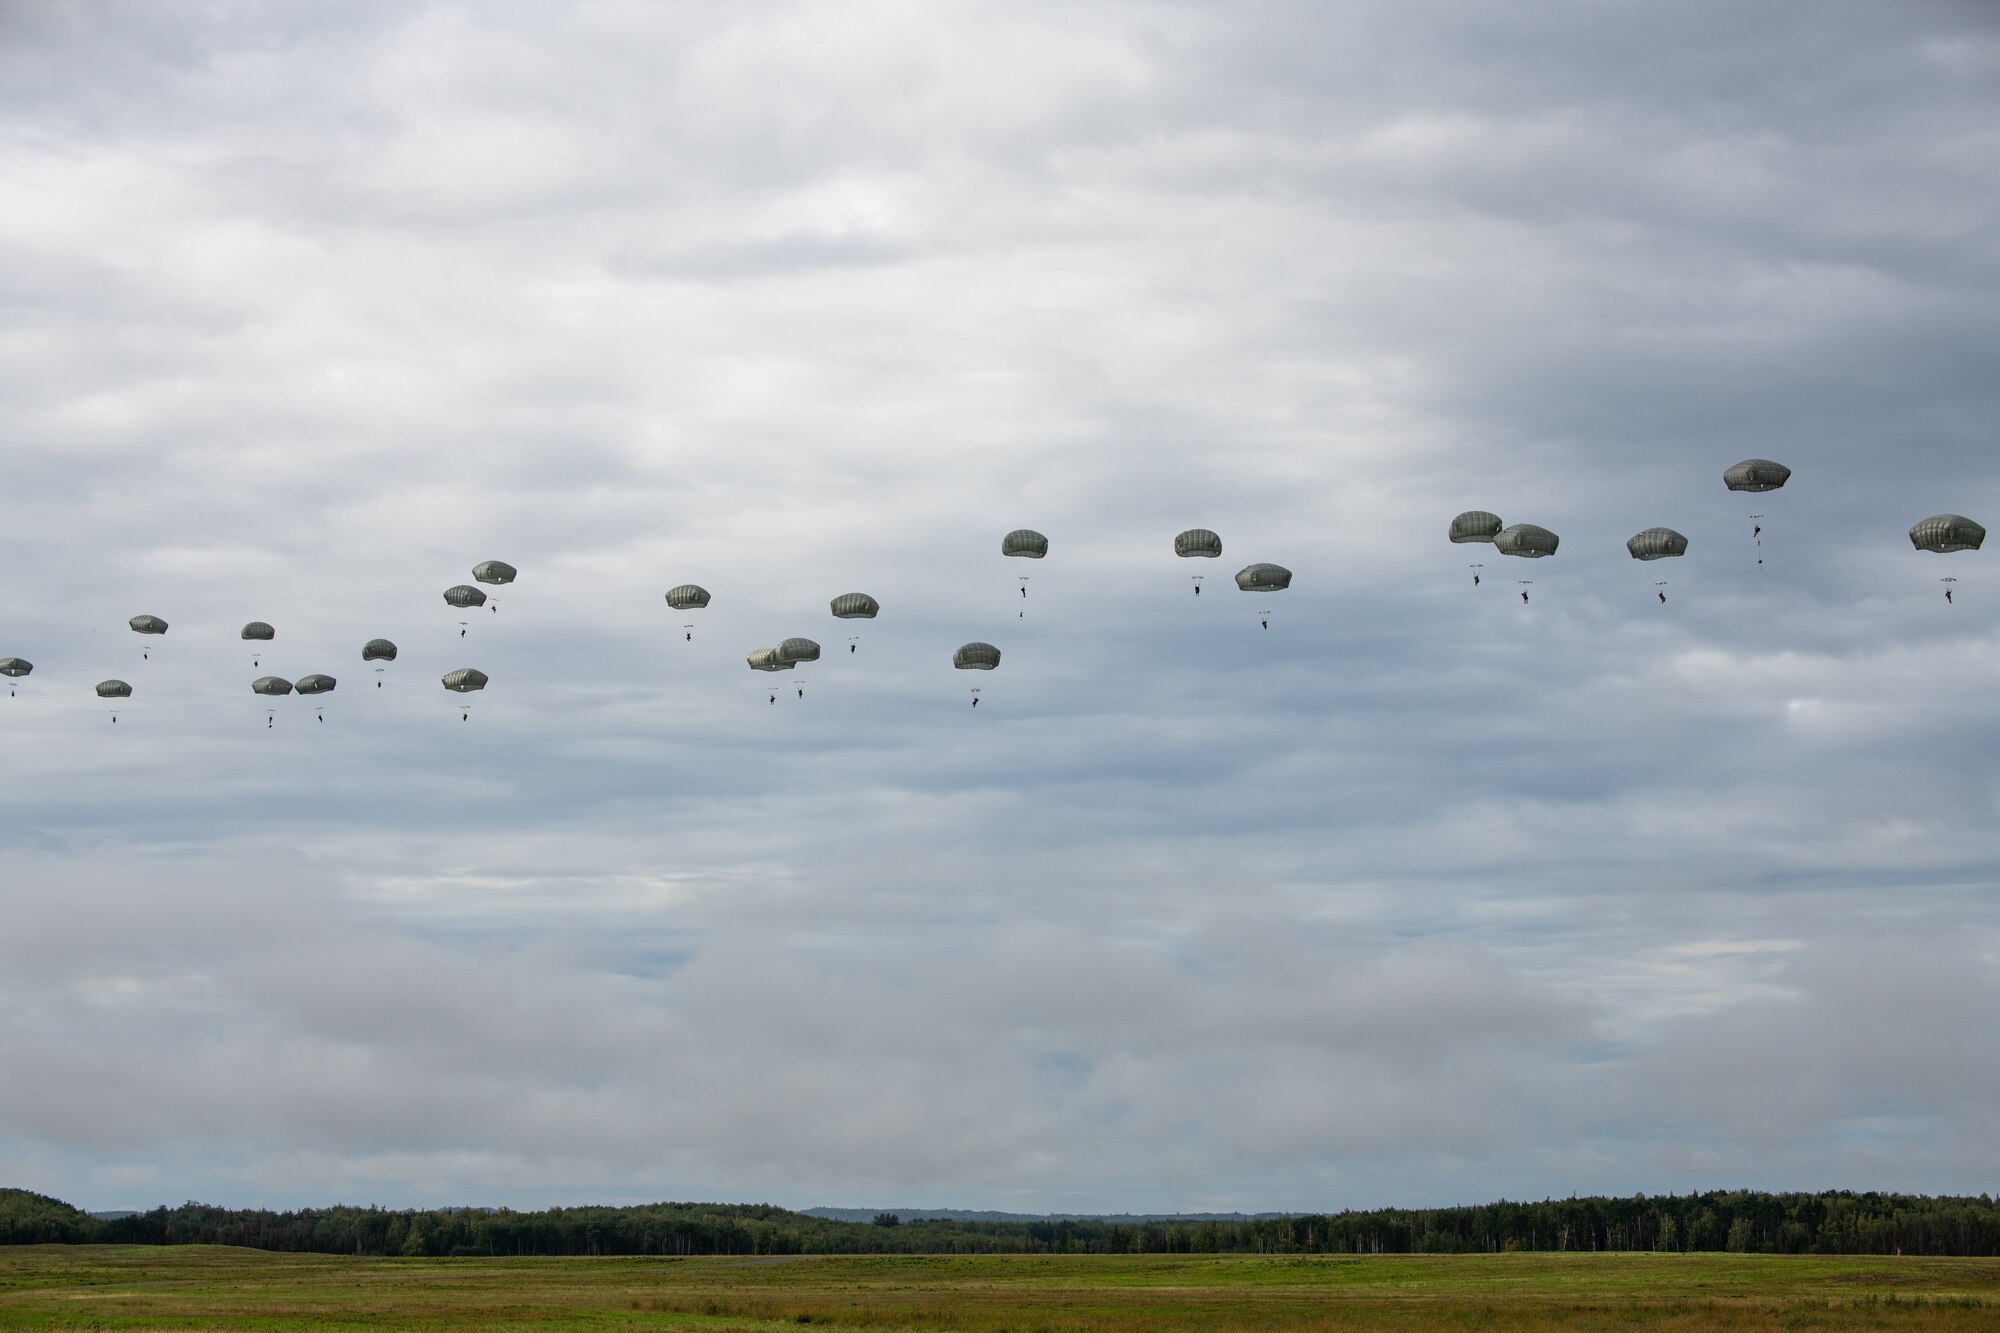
(1421, 895)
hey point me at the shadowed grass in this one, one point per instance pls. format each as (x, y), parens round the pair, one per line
(209, 1287)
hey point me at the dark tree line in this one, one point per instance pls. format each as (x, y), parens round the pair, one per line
(1838, 1222)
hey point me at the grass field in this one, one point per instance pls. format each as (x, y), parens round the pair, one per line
(210, 1287)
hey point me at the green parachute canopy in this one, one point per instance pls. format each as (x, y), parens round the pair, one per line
(1756, 474)
(799, 650)
(1475, 525)
(464, 680)
(1263, 578)
(1525, 539)
(270, 685)
(494, 571)
(1947, 532)
(1197, 543)
(855, 606)
(257, 629)
(1656, 544)
(113, 689)
(15, 667)
(769, 659)
(687, 597)
(1026, 543)
(464, 595)
(378, 650)
(148, 624)
(316, 684)
(976, 657)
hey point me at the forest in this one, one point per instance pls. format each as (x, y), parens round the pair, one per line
(1739, 1221)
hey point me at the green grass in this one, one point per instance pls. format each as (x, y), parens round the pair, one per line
(212, 1287)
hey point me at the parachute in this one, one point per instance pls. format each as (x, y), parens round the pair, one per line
(465, 680)
(687, 597)
(260, 632)
(1944, 533)
(1197, 543)
(378, 650)
(494, 571)
(1525, 539)
(1475, 525)
(1263, 578)
(855, 606)
(769, 659)
(1756, 474)
(1026, 543)
(317, 684)
(1656, 544)
(464, 596)
(147, 625)
(976, 657)
(799, 650)
(270, 685)
(113, 689)
(13, 668)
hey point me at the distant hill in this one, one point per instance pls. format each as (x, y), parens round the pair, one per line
(27, 1218)
(987, 1215)
(113, 1214)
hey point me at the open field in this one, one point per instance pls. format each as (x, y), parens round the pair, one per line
(211, 1287)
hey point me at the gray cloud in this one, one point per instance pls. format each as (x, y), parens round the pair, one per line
(1419, 896)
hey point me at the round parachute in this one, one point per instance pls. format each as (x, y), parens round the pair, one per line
(257, 629)
(1525, 539)
(1656, 544)
(1263, 578)
(855, 606)
(1947, 532)
(687, 597)
(769, 659)
(148, 624)
(1756, 474)
(1475, 525)
(113, 689)
(378, 650)
(15, 667)
(1026, 543)
(316, 683)
(976, 657)
(799, 650)
(1198, 543)
(464, 680)
(494, 571)
(270, 685)
(464, 595)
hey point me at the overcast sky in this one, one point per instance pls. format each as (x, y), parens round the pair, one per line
(1420, 896)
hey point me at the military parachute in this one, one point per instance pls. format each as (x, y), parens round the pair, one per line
(1944, 533)
(1475, 525)
(13, 668)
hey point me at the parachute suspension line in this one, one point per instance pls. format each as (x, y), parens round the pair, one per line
(1660, 586)
(975, 696)
(462, 626)
(1475, 573)
(1525, 585)
(1197, 583)
(1947, 581)
(687, 630)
